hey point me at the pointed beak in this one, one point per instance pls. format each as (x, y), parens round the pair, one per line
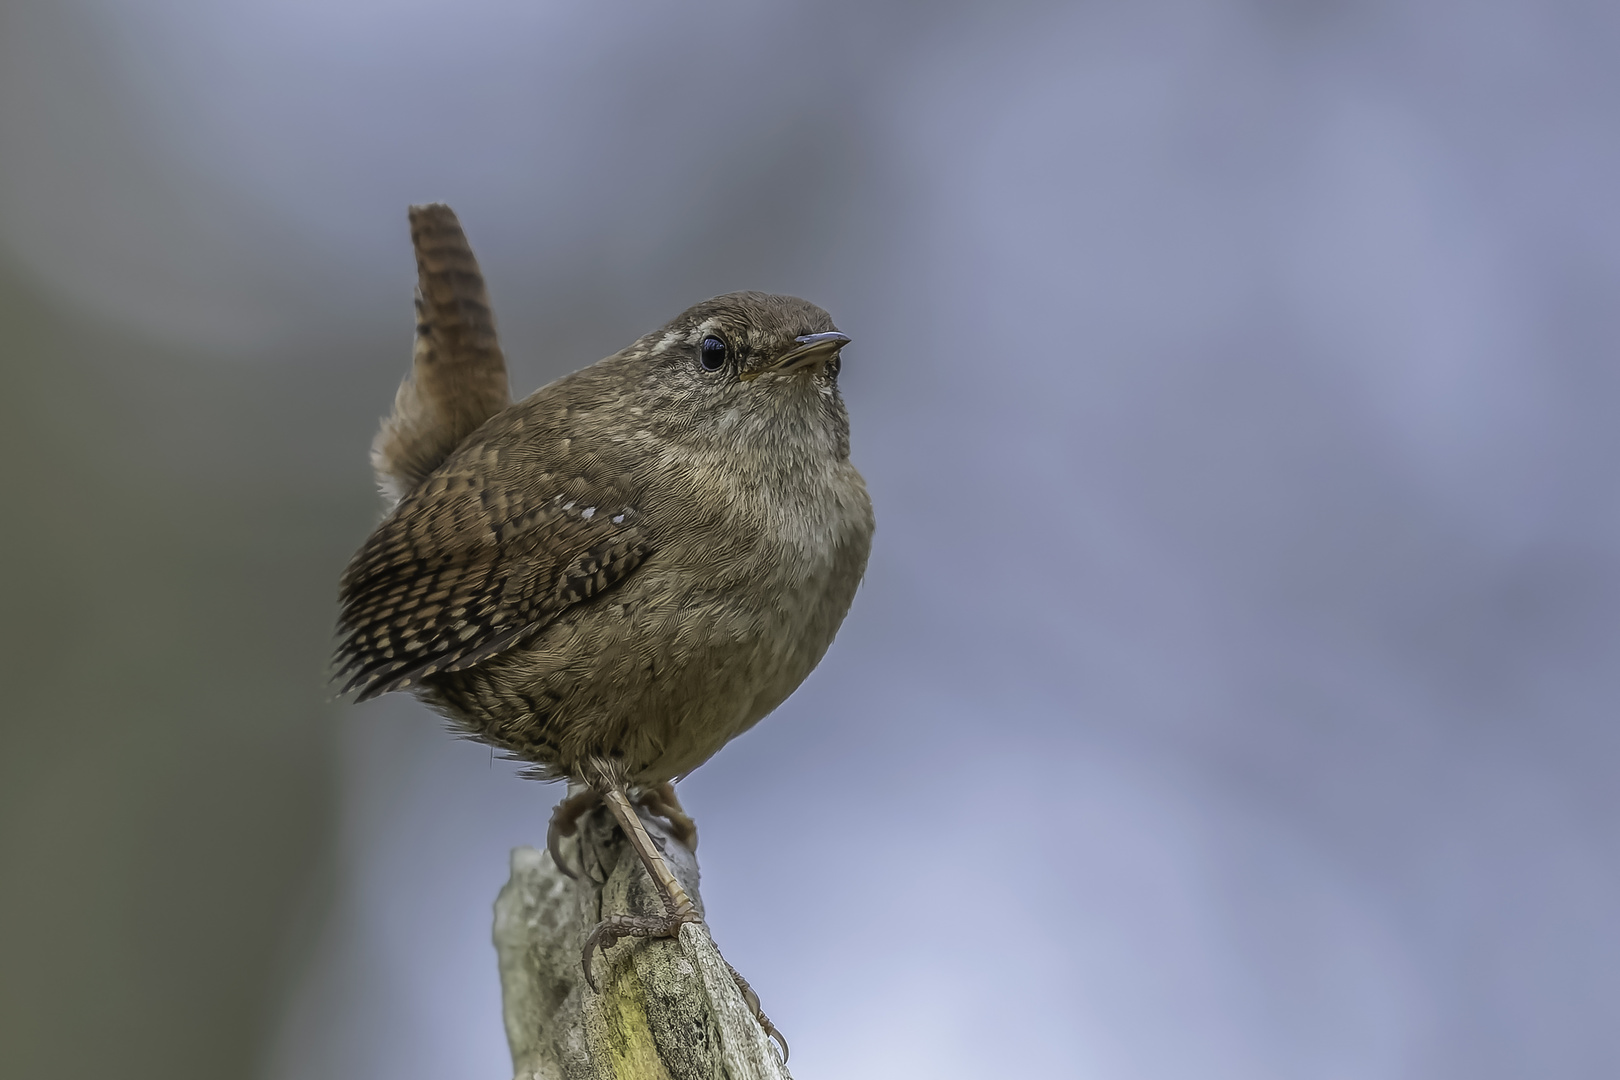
(811, 350)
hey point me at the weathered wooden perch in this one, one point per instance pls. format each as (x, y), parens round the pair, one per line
(668, 1009)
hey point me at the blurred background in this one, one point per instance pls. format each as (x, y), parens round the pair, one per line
(1233, 691)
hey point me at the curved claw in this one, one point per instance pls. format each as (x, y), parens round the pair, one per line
(610, 930)
(564, 818)
(554, 845)
(751, 999)
(770, 1030)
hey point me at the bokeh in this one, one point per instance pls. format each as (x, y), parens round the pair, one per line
(1233, 692)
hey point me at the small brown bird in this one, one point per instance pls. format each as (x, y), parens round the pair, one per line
(616, 576)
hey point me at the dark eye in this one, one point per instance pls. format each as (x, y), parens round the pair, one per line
(713, 356)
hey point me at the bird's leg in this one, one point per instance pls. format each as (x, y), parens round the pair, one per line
(660, 799)
(564, 819)
(678, 906)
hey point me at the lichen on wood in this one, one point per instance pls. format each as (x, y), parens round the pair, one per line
(668, 1009)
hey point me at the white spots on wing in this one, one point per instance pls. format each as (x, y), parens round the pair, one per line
(618, 519)
(568, 506)
(588, 513)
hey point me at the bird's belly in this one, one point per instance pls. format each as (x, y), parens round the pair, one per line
(737, 655)
(654, 678)
(743, 661)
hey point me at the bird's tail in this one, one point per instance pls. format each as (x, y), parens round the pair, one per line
(458, 375)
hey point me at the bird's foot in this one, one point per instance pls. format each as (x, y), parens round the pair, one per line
(610, 930)
(751, 999)
(564, 822)
(660, 799)
(678, 906)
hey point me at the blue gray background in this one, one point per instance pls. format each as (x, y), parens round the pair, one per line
(1233, 690)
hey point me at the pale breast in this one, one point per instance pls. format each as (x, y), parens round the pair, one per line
(754, 635)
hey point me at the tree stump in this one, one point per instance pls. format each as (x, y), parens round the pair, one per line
(668, 1009)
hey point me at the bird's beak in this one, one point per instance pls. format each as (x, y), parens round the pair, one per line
(811, 350)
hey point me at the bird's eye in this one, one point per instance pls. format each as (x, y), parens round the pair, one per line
(713, 356)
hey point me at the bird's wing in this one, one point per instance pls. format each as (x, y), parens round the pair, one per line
(458, 375)
(465, 568)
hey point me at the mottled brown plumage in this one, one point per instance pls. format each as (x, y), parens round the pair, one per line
(632, 565)
(615, 576)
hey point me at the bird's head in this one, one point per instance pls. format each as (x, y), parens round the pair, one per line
(750, 367)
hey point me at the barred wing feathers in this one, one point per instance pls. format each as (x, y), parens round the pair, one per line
(460, 572)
